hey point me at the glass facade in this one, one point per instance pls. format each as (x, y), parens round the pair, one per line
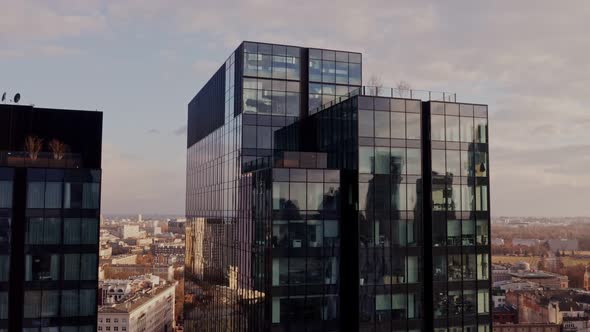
(460, 217)
(329, 219)
(49, 222)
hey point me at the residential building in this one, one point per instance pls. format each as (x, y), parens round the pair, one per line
(547, 280)
(50, 175)
(118, 271)
(314, 203)
(539, 327)
(148, 310)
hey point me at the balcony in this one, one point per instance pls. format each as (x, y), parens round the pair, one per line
(43, 160)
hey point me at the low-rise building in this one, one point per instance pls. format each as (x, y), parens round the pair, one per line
(527, 328)
(563, 244)
(148, 310)
(125, 259)
(547, 280)
(525, 242)
(118, 271)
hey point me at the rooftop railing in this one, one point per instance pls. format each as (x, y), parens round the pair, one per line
(377, 91)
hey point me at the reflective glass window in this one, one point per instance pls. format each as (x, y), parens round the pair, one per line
(5, 194)
(366, 159)
(265, 66)
(366, 124)
(382, 124)
(481, 168)
(437, 128)
(354, 70)
(467, 129)
(315, 70)
(35, 195)
(42, 267)
(438, 162)
(297, 195)
(413, 126)
(481, 129)
(482, 232)
(280, 195)
(279, 67)
(328, 71)
(398, 161)
(382, 162)
(342, 72)
(454, 162)
(414, 161)
(452, 128)
(398, 125)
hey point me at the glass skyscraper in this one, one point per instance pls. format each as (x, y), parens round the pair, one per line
(316, 204)
(50, 169)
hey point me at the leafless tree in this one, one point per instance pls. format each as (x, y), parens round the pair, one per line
(375, 81)
(58, 148)
(403, 89)
(33, 145)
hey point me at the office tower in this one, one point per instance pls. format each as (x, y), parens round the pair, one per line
(331, 211)
(50, 168)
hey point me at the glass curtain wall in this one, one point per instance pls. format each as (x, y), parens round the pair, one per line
(460, 217)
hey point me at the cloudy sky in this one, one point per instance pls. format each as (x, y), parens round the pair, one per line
(141, 61)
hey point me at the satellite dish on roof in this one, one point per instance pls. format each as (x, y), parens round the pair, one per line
(4, 96)
(16, 98)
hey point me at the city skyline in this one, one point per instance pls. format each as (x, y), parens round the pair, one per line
(126, 60)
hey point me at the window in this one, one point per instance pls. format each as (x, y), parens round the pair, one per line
(87, 302)
(482, 266)
(280, 195)
(453, 162)
(53, 195)
(35, 195)
(88, 266)
(467, 129)
(382, 162)
(414, 161)
(398, 125)
(437, 128)
(366, 123)
(483, 301)
(73, 195)
(366, 159)
(452, 128)
(42, 267)
(438, 162)
(5, 194)
(481, 130)
(297, 195)
(280, 234)
(69, 303)
(91, 196)
(354, 70)
(315, 195)
(4, 267)
(382, 124)
(482, 232)
(32, 304)
(71, 266)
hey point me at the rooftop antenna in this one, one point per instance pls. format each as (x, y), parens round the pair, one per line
(16, 98)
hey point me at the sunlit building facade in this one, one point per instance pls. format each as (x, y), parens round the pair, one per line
(50, 173)
(311, 201)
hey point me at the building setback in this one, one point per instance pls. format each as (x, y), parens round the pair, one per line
(314, 203)
(50, 173)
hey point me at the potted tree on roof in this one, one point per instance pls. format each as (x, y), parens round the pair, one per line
(58, 148)
(33, 145)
